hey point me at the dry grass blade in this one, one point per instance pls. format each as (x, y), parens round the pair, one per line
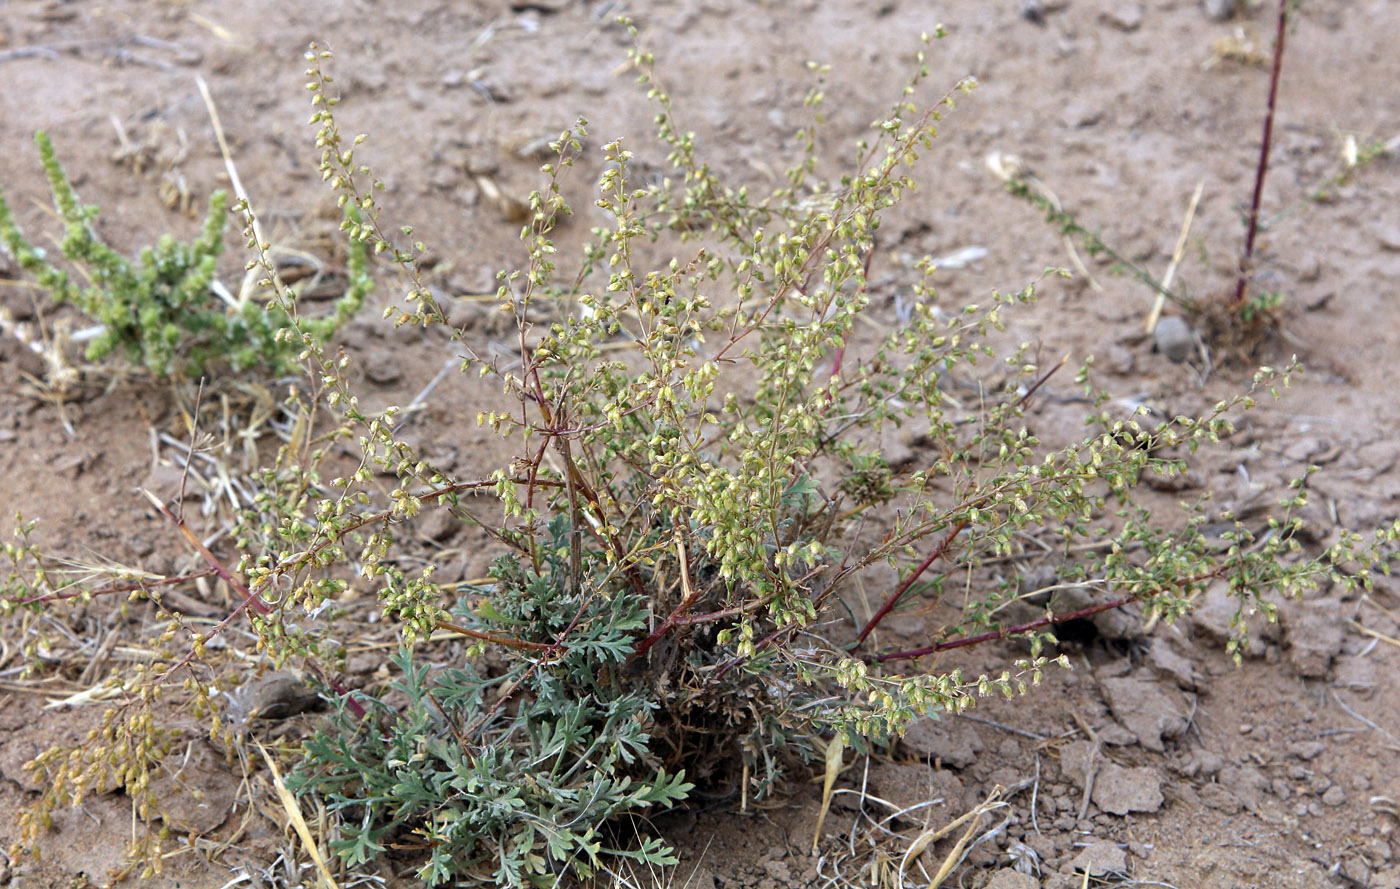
(232, 171)
(956, 854)
(1156, 313)
(289, 803)
(1374, 634)
(834, 751)
(928, 838)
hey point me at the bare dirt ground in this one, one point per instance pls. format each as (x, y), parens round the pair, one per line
(1155, 761)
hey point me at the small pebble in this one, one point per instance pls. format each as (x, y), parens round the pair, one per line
(1175, 339)
(1080, 115)
(1125, 16)
(1120, 360)
(1219, 10)
(1306, 750)
(1388, 236)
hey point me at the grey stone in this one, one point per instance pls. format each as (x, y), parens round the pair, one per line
(1388, 236)
(1119, 791)
(274, 696)
(1080, 115)
(1219, 10)
(1123, 16)
(1175, 338)
(1306, 750)
(1168, 662)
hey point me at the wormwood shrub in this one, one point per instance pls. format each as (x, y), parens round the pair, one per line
(162, 313)
(686, 522)
(696, 499)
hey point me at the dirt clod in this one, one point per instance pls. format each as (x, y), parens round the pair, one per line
(1313, 633)
(1147, 709)
(383, 367)
(1219, 10)
(1307, 750)
(1101, 858)
(950, 741)
(1119, 791)
(1009, 878)
(1123, 16)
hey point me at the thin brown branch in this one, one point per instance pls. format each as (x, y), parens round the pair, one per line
(1024, 399)
(993, 635)
(249, 599)
(114, 589)
(492, 637)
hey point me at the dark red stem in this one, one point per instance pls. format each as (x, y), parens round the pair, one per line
(1002, 634)
(1263, 167)
(1090, 611)
(900, 590)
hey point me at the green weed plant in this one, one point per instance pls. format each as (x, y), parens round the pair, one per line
(161, 313)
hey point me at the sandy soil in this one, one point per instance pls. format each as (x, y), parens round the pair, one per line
(1279, 773)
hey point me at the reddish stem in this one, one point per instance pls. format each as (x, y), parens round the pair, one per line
(761, 645)
(1089, 611)
(1263, 166)
(864, 283)
(1001, 634)
(903, 588)
(249, 598)
(1024, 399)
(680, 610)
